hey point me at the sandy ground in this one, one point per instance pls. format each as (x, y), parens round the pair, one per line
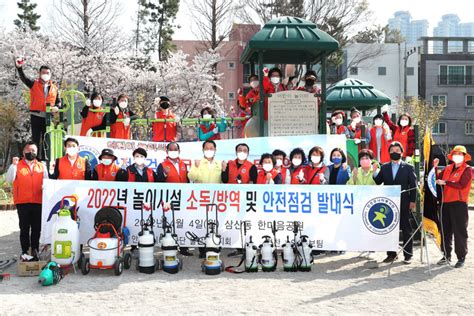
(338, 284)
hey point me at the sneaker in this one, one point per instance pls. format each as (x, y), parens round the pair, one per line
(444, 261)
(459, 264)
(390, 259)
(407, 260)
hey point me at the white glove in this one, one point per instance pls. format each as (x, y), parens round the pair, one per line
(126, 121)
(176, 119)
(116, 110)
(353, 124)
(215, 130)
(356, 141)
(88, 103)
(408, 159)
(321, 177)
(54, 109)
(300, 175)
(385, 108)
(89, 132)
(19, 62)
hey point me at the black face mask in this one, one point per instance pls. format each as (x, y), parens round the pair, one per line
(395, 156)
(164, 105)
(30, 156)
(309, 82)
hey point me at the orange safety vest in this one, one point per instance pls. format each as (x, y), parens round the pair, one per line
(75, 172)
(28, 184)
(119, 130)
(384, 154)
(149, 174)
(93, 119)
(262, 176)
(312, 174)
(294, 179)
(243, 171)
(107, 173)
(38, 100)
(159, 128)
(173, 176)
(401, 135)
(205, 130)
(451, 194)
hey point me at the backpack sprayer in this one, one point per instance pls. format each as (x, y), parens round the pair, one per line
(268, 253)
(212, 264)
(169, 244)
(146, 262)
(290, 252)
(250, 253)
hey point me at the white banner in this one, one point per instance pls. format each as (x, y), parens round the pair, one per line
(91, 147)
(352, 218)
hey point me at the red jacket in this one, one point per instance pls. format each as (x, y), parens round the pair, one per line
(93, 119)
(119, 130)
(451, 194)
(159, 128)
(262, 176)
(173, 175)
(384, 155)
(404, 135)
(312, 174)
(243, 172)
(295, 173)
(269, 88)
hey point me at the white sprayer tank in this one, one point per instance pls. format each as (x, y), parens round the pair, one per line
(65, 247)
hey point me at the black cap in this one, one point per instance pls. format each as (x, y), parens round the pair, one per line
(107, 151)
(140, 151)
(164, 98)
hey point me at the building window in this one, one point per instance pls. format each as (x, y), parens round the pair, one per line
(354, 71)
(470, 100)
(454, 74)
(437, 100)
(382, 71)
(231, 96)
(439, 128)
(410, 71)
(231, 65)
(469, 128)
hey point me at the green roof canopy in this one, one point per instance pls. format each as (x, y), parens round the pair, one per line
(348, 93)
(289, 40)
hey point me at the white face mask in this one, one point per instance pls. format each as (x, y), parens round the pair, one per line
(123, 104)
(296, 162)
(356, 120)
(338, 121)
(209, 153)
(173, 154)
(45, 77)
(97, 103)
(241, 155)
(267, 167)
(458, 158)
(378, 122)
(315, 159)
(72, 151)
(279, 162)
(139, 161)
(404, 123)
(106, 162)
(207, 116)
(275, 80)
(254, 84)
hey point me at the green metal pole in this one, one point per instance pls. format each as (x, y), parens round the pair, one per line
(260, 113)
(322, 118)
